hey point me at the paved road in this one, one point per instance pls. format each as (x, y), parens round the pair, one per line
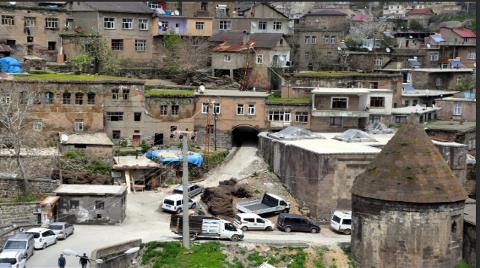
(146, 221)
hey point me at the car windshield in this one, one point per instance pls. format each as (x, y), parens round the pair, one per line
(237, 218)
(8, 260)
(55, 227)
(336, 219)
(15, 244)
(169, 202)
(35, 235)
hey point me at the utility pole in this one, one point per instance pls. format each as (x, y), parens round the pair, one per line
(186, 229)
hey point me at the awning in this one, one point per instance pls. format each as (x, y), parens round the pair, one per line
(50, 201)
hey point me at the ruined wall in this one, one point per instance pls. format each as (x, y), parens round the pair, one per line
(11, 187)
(391, 234)
(18, 213)
(35, 167)
(455, 156)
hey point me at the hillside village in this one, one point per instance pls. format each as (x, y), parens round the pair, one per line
(345, 132)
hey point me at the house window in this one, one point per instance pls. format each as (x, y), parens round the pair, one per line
(216, 108)
(259, 58)
(225, 25)
(378, 62)
(374, 119)
(78, 98)
(49, 98)
(434, 56)
(333, 39)
(457, 108)
(239, 109)
(66, 98)
(52, 45)
(140, 45)
(116, 134)
(74, 204)
(377, 102)
(127, 24)
(336, 121)
(51, 23)
(279, 116)
(114, 116)
(301, 117)
(210, 129)
(199, 25)
(173, 128)
(277, 25)
(314, 39)
(307, 55)
(205, 108)
(8, 20)
(29, 21)
(117, 44)
(163, 109)
(125, 92)
(339, 103)
(262, 25)
(109, 23)
(153, 5)
(115, 93)
(472, 55)
(90, 98)
(251, 109)
(143, 24)
(137, 116)
(399, 119)
(37, 125)
(307, 39)
(78, 125)
(99, 205)
(227, 58)
(203, 6)
(175, 109)
(373, 85)
(164, 25)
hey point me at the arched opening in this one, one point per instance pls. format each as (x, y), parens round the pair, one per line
(244, 135)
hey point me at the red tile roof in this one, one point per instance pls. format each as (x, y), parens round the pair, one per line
(465, 33)
(360, 18)
(420, 11)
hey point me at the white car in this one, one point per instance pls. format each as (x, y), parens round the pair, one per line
(173, 203)
(341, 221)
(251, 221)
(61, 229)
(13, 259)
(43, 237)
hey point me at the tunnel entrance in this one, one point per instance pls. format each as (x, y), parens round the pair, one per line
(244, 135)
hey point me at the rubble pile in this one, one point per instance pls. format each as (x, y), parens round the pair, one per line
(198, 78)
(81, 177)
(220, 199)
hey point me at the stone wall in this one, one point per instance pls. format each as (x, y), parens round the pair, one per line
(113, 256)
(11, 187)
(469, 243)
(18, 213)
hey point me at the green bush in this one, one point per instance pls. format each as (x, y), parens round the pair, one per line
(215, 158)
(145, 147)
(74, 154)
(255, 258)
(462, 264)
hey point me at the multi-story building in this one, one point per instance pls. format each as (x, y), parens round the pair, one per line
(281, 113)
(455, 43)
(317, 37)
(34, 28)
(420, 15)
(456, 108)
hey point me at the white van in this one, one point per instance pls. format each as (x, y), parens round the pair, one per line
(341, 221)
(251, 221)
(173, 203)
(13, 259)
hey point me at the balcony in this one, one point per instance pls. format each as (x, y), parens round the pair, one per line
(337, 113)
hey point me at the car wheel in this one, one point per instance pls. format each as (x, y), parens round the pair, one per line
(235, 238)
(44, 246)
(179, 210)
(244, 228)
(269, 228)
(288, 229)
(314, 230)
(347, 231)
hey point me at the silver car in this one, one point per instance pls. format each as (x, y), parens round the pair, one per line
(62, 229)
(193, 189)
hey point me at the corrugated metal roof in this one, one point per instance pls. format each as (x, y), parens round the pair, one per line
(465, 33)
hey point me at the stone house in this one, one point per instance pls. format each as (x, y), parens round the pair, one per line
(454, 131)
(438, 78)
(250, 58)
(92, 204)
(421, 15)
(454, 108)
(34, 28)
(458, 43)
(229, 116)
(414, 114)
(317, 36)
(95, 144)
(126, 26)
(283, 113)
(423, 97)
(253, 18)
(338, 109)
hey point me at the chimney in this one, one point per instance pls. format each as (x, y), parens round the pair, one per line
(245, 37)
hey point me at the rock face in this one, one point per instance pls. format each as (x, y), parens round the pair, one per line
(407, 207)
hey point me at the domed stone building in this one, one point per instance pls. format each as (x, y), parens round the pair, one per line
(407, 207)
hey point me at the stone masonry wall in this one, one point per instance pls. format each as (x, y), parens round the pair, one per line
(18, 213)
(11, 187)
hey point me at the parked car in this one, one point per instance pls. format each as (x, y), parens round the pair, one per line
(173, 203)
(251, 221)
(62, 229)
(20, 242)
(13, 259)
(206, 227)
(292, 222)
(43, 237)
(341, 221)
(193, 189)
(267, 204)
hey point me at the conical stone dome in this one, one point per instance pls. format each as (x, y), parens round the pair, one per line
(409, 169)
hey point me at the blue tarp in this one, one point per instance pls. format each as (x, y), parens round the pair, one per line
(10, 65)
(174, 156)
(437, 38)
(456, 64)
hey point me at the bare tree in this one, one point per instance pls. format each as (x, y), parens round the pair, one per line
(365, 30)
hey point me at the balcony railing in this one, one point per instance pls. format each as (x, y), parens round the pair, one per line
(336, 113)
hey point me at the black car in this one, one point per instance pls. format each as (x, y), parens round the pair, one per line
(292, 222)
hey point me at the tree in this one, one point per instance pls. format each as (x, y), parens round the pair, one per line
(185, 55)
(467, 83)
(173, 49)
(96, 51)
(363, 31)
(416, 26)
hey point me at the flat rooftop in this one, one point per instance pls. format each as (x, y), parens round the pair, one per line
(452, 126)
(99, 138)
(460, 99)
(332, 90)
(133, 162)
(414, 110)
(427, 93)
(232, 93)
(443, 70)
(89, 189)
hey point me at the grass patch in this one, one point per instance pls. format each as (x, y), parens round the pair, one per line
(172, 254)
(161, 92)
(74, 77)
(255, 258)
(280, 99)
(215, 158)
(22, 199)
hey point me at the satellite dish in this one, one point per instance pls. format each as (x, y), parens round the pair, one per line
(339, 48)
(176, 13)
(369, 48)
(428, 46)
(387, 49)
(12, 3)
(201, 88)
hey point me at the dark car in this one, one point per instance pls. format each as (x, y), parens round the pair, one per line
(297, 223)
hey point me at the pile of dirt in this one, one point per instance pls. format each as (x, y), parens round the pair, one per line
(220, 199)
(81, 177)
